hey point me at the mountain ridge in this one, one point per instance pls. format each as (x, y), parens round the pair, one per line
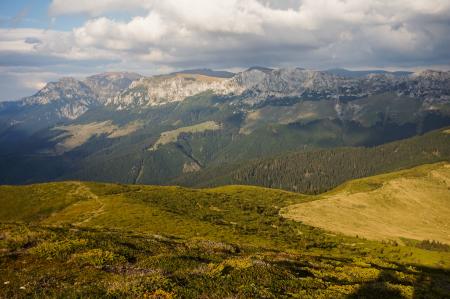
(254, 80)
(102, 127)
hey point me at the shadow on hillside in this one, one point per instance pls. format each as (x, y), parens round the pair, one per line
(430, 283)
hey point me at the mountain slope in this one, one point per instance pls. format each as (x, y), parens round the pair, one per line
(101, 127)
(412, 204)
(63, 101)
(316, 171)
(147, 241)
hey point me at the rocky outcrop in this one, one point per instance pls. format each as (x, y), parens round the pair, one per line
(70, 98)
(257, 86)
(106, 86)
(160, 90)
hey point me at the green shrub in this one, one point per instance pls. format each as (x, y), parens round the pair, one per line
(146, 286)
(60, 249)
(97, 258)
(228, 265)
(19, 237)
(433, 245)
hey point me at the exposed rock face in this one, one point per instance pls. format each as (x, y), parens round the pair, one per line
(429, 84)
(293, 83)
(246, 80)
(191, 167)
(70, 98)
(258, 86)
(67, 99)
(108, 85)
(161, 90)
(65, 88)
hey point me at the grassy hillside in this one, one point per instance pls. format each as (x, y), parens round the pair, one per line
(409, 204)
(316, 171)
(76, 239)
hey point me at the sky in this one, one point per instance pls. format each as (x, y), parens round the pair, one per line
(43, 40)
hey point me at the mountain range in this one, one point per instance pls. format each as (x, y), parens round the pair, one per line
(124, 127)
(361, 158)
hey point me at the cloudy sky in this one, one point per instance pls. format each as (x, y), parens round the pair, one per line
(42, 40)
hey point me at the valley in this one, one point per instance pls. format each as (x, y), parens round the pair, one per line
(128, 128)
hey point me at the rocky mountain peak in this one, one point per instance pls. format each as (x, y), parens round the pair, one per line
(67, 88)
(429, 84)
(164, 89)
(287, 82)
(114, 76)
(247, 79)
(106, 86)
(123, 90)
(380, 76)
(431, 75)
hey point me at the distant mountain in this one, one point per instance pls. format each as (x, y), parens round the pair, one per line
(124, 127)
(260, 68)
(356, 74)
(64, 100)
(127, 90)
(107, 85)
(207, 72)
(164, 89)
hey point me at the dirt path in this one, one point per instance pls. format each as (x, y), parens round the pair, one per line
(86, 206)
(85, 190)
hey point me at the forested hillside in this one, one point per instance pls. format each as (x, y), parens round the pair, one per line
(317, 171)
(125, 128)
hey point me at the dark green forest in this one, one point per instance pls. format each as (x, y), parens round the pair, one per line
(317, 171)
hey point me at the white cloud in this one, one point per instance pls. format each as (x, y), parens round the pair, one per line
(206, 31)
(171, 34)
(235, 32)
(106, 33)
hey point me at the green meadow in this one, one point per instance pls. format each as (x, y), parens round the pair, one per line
(79, 239)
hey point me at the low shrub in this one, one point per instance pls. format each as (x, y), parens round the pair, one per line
(60, 249)
(153, 285)
(97, 258)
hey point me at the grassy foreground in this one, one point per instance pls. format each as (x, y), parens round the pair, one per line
(411, 204)
(75, 239)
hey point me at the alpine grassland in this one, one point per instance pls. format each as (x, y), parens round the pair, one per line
(89, 240)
